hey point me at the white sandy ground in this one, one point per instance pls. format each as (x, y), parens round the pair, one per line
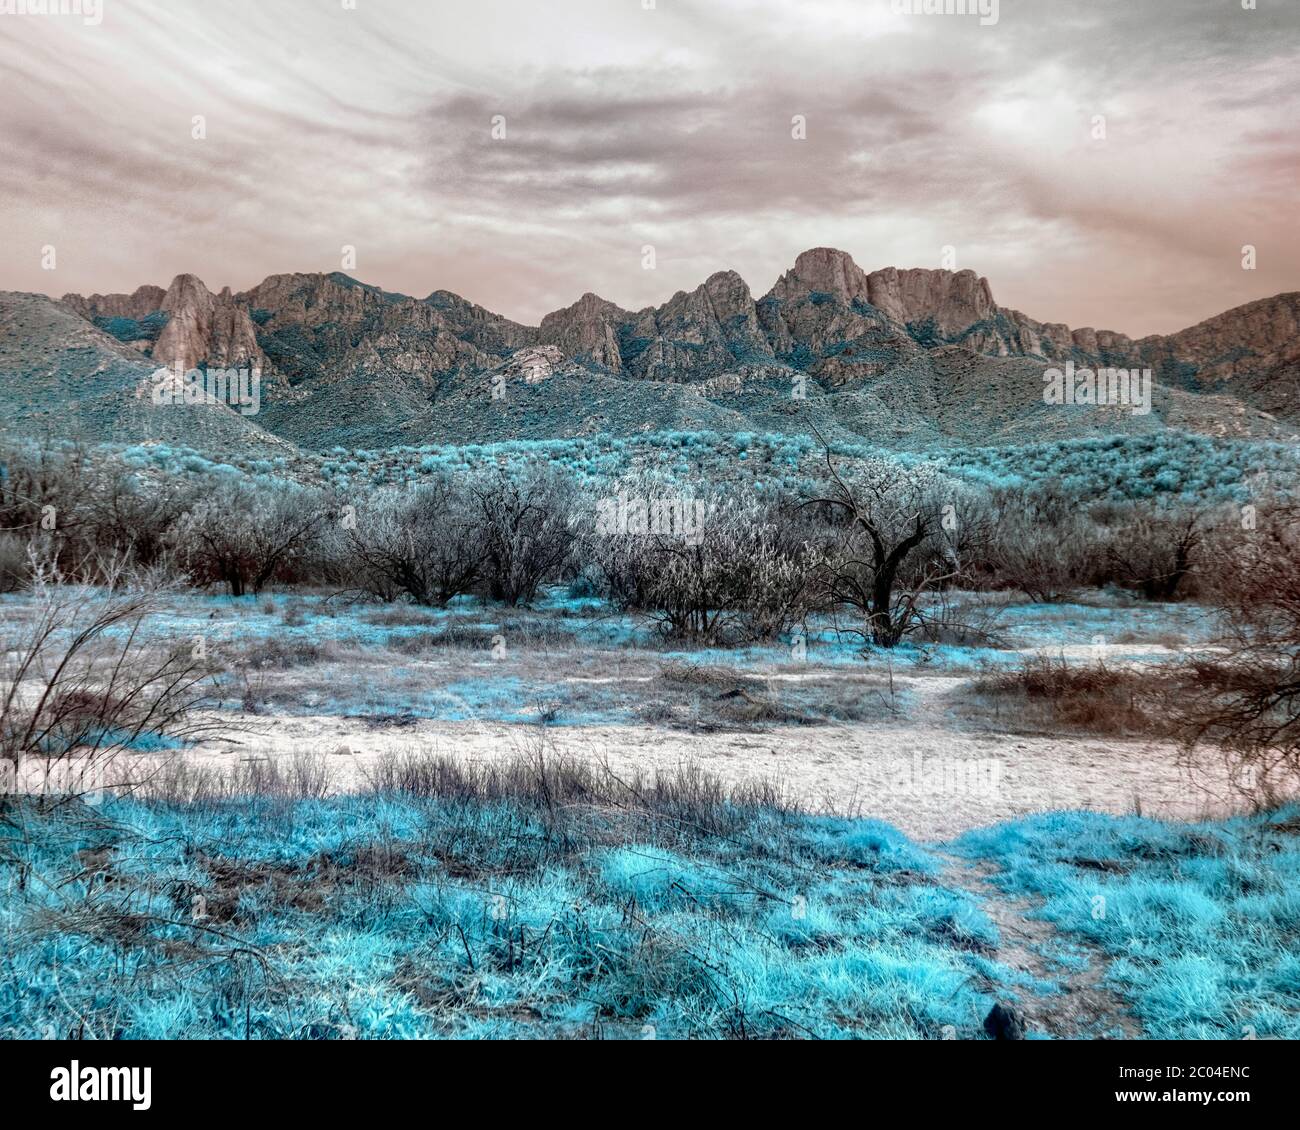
(889, 773)
(927, 773)
(929, 779)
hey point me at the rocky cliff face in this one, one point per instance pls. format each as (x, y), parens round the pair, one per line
(63, 376)
(313, 299)
(820, 319)
(331, 327)
(695, 335)
(823, 270)
(951, 301)
(487, 331)
(532, 365)
(139, 304)
(587, 331)
(1251, 353)
(205, 329)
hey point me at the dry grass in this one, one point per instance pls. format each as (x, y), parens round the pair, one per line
(537, 777)
(1174, 641)
(701, 697)
(180, 780)
(1047, 695)
(286, 652)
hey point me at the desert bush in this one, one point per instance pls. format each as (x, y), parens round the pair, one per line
(283, 652)
(1248, 700)
(33, 477)
(43, 494)
(528, 525)
(126, 519)
(715, 568)
(778, 585)
(244, 535)
(428, 545)
(1043, 543)
(14, 562)
(696, 587)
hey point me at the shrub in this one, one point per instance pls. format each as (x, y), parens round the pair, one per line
(428, 544)
(528, 527)
(1248, 701)
(1043, 543)
(127, 519)
(14, 562)
(733, 570)
(244, 536)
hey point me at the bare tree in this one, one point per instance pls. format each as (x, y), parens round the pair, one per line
(428, 544)
(243, 534)
(1248, 701)
(529, 529)
(887, 515)
(1155, 550)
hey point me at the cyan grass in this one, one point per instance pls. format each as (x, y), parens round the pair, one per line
(384, 917)
(1201, 922)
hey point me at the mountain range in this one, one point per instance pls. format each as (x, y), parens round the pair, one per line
(903, 358)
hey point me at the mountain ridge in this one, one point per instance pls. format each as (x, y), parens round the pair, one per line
(957, 307)
(872, 351)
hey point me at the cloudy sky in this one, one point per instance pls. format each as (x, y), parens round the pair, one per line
(370, 124)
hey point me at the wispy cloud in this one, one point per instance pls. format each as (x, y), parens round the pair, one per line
(672, 126)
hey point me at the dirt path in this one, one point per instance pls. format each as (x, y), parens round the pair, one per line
(922, 767)
(1084, 1008)
(929, 779)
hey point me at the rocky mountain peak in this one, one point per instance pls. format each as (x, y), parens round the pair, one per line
(140, 303)
(203, 328)
(186, 292)
(729, 294)
(826, 270)
(586, 330)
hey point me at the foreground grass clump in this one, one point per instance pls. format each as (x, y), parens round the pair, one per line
(531, 900)
(1201, 922)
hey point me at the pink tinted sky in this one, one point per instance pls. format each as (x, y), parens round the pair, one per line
(372, 127)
